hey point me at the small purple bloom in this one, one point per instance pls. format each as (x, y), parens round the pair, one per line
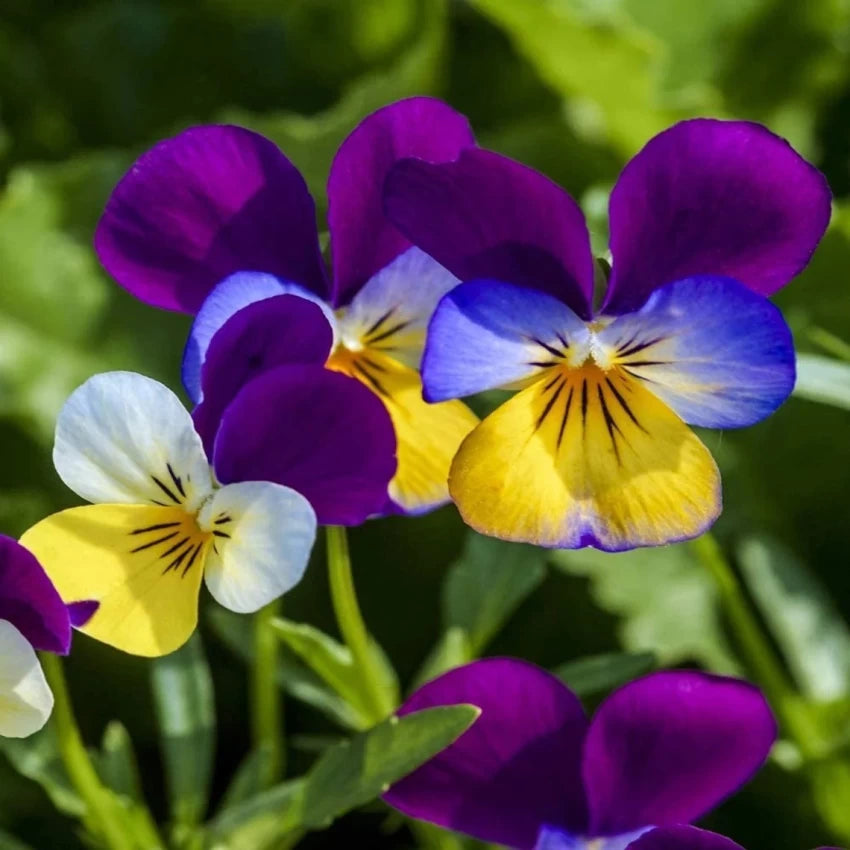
(217, 219)
(708, 219)
(32, 617)
(532, 772)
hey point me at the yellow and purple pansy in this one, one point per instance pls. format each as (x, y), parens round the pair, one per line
(217, 219)
(168, 513)
(595, 449)
(32, 617)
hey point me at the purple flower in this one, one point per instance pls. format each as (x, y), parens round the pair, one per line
(217, 219)
(532, 772)
(708, 219)
(32, 617)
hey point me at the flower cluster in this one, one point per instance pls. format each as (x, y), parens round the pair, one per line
(331, 397)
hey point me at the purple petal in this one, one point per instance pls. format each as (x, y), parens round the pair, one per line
(717, 353)
(710, 197)
(669, 747)
(486, 334)
(515, 769)
(556, 839)
(683, 838)
(486, 216)
(227, 298)
(81, 612)
(362, 240)
(320, 432)
(277, 331)
(196, 208)
(29, 601)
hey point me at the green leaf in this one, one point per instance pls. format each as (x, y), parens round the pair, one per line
(116, 762)
(452, 650)
(333, 663)
(37, 758)
(487, 585)
(609, 71)
(823, 379)
(299, 681)
(802, 617)
(249, 779)
(185, 708)
(9, 842)
(667, 603)
(597, 673)
(349, 775)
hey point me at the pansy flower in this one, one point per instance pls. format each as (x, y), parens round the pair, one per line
(595, 449)
(133, 561)
(532, 772)
(32, 617)
(217, 218)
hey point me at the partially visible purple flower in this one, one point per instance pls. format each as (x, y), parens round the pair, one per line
(217, 219)
(32, 617)
(532, 772)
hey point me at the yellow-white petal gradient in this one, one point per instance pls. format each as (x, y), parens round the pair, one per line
(262, 537)
(25, 698)
(585, 457)
(142, 565)
(125, 438)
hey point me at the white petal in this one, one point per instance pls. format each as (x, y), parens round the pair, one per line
(125, 438)
(391, 312)
(229, 297)
(25, 698)
(263, 536)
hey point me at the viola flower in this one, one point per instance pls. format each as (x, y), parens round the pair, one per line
(133, 561)
(218, 218)
(532, 772)
(708, 219)
(32, 617)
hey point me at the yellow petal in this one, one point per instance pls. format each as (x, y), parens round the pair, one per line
(143, 565)
(585, 457)
(428, 435)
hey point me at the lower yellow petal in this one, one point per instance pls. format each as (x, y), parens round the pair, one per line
(142, 565)
(428, 435)
(585, 457)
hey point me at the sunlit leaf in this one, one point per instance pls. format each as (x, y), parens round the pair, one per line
(598, 673)
(823, 379)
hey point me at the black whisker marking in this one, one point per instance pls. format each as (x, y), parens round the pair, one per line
(637, 376)
(542, 363)
(375, 383)
(389, 331)
(554, 381)
(639, 347)
(551, 349)
(178, 483)
(565, 416)
(634, 363)
(223, 519)
(548, 407)
(562, 339)
(376, 366)
(178, 560)
(157, 527)
(610, 423)
(156, 502)
(624, 404)
(166, 490)
(584, 403)
(154, 542)
(174, 548)
(191, 560)
(218, 533)
(380, 321)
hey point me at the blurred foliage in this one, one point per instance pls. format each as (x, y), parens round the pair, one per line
(572, 87)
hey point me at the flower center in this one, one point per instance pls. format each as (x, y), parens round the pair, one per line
(176, 541)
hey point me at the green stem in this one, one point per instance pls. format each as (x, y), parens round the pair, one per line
(100, 806)
(757, 651)
(351, 624)
(267, 702)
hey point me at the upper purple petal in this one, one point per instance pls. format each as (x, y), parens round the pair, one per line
(683, 838)
(518, 766)
(320, 432)
(710, 197)
(29, 601)
(269, 333)
(196, 208)
(669, 747)
(487, 216)
(362, 240)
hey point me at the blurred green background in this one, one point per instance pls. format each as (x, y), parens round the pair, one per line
(571, 87)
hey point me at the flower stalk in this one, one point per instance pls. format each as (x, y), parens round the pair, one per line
(266, 699)
(101, 808)
(351, 625)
